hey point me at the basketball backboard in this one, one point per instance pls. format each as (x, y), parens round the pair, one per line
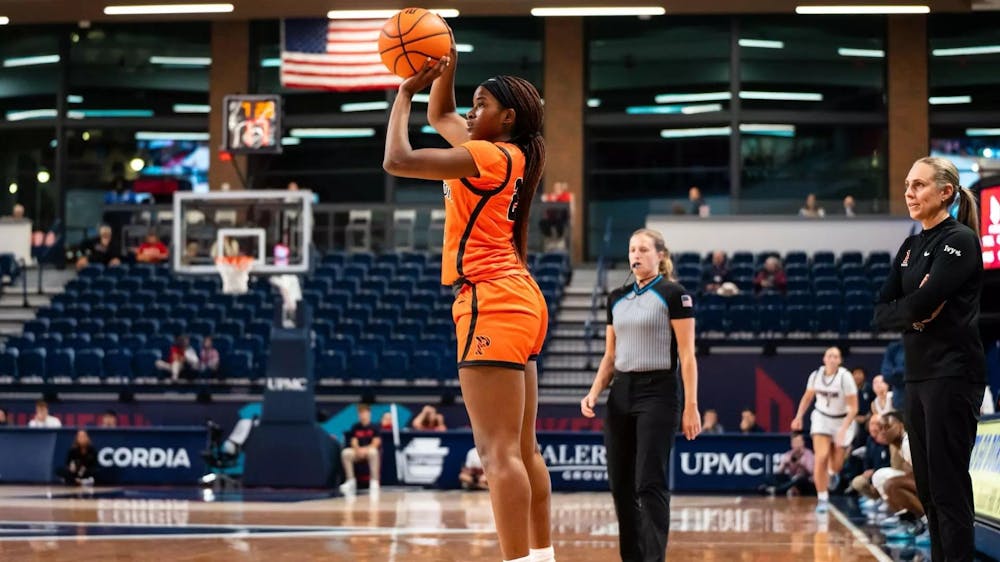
(273, 227)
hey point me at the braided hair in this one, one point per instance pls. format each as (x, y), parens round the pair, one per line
(521, 96)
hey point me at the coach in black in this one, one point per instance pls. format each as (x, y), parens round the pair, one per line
(650, 326)
(932, 295)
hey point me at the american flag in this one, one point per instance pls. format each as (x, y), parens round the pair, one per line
(342, 55)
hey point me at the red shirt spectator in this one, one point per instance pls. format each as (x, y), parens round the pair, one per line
(152, 250)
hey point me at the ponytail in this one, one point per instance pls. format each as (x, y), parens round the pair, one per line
(521, 96)
(968, 210)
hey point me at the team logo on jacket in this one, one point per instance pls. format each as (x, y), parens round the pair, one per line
(482, 342)
(906, 259)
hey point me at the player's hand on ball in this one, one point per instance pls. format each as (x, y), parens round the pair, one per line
(429, 72)
(691, 422)
(797, 424)
(587, 405)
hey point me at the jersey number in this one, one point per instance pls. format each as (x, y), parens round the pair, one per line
(512, 209)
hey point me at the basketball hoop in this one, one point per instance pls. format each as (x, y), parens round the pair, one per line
(235, 273)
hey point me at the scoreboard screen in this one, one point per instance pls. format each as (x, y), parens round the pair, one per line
(989, 226)
(252, 124)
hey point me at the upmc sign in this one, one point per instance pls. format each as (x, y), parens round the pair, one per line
(724, 462)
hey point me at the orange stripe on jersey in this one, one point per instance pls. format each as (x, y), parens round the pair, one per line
(479, 216)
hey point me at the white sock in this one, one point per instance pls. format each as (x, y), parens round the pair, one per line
(823, 496)
(547, 554)
(522, 559)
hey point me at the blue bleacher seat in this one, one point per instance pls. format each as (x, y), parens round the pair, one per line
(382, 270)
(742, 318)
(8, 363)
(711, 318)
(742, 257)
(326, 271)
(413, 258)
(260, 328)
(878, 258)
(116, 298)
(89, 363)
(851, 257)
(330, 364)
(38, 326)
(92, 297)
(828, 319)
(133, 342)
(179, 284)
(202, 327)
(390, 314)
(353, 271)
(824, 256)
(240, 314)
(409, 272)
(196, 298)
(797, 270)
(771, 298)
(799, 318)
(144, 364)
(335, 258)
(852, 270)
(323, 327)
(173, 327)
(118, 363)
(425, 364)
(366, 259)
(212, 312)
(118, 326)
(74, 286)
(223, 343)
(59, 364)
(859, 318)
(393, 364)
(236, 364)
(796, 258)
(770, 318)
(207, 285)
(826, 284)
(799, 298)
(358, 313)
(49, 341)
(158, 312)
(253, 344)
(31, 363)
(341, 344)
(402, 344)
(128, 284)
(78, 341)
(828, 298)
(879, 269)
(131, 312)
(857, 284)
(91, 271)
(104, 285)
(362, 365)
(146, 327)
(321, 285)
(64, 326)
(824, 270)
(105, 342)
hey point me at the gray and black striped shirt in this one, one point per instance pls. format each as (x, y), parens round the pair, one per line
(644, 340)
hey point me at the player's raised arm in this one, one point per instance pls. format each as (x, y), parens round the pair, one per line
(441, 112)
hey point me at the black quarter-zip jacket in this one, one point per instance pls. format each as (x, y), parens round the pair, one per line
(949, 345)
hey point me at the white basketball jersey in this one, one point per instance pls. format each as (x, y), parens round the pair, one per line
(832, 391)
(882, 409)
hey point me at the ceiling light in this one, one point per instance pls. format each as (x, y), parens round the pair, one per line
(290, 141)
(181, 61)
(870, 53)
(782, 96)
(594, 102)
(43, 176)
(4, 20)
(598, 11)
(30, 61)
(85, 136)
(84, 113)
(948, 100)
(686, 98)
(192, 108)
(273, 62)
(696, 132)
(74, 99)
(170, 135)
(427, 129)
(381, 14)
(982, 132)
(762, 44)
(703, 108)
(652, 109)
(153, 9)
(136, 164)
(421, 98)
(464, 48)
(364, 106)
(768, 129)
(963, 51)
(832, 10)
(333, 133)
(12, 188)
(24, 114)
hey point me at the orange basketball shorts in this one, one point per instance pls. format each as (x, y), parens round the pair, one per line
(500, 323)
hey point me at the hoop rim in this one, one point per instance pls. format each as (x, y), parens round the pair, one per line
(239, 262)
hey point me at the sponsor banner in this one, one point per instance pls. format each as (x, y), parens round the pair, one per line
(985, 470)
(124, 456)
(578, 461)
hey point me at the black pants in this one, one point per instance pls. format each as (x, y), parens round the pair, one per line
(941, 418)
(643, 416)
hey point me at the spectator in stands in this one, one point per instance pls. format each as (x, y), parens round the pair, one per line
(364, 444)
(717, 273)
(699, 207)
(99, 250)
(882, 403)
(208, 359)
(556, 217)
(876, 456)
(771, 277)
(849, 206)
(3, 417)
(385, 424)
(748, 422)
(429, 419)
(472, 476)
(893, 368)
(181, 360)
(42, 417)
(17, 212)
(109, 419)
(710, 422)
(865, 397)
(152, 250)
(812, 209)
(793, 475)
(81, 461)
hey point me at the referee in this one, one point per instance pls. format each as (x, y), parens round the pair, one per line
(932, 295)
(650, 324)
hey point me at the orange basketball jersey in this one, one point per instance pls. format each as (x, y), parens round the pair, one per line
(479, 216)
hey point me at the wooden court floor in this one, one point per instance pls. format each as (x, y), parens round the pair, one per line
(52, 524)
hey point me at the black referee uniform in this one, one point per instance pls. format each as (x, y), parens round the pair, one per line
(644, 412)
(945, 373)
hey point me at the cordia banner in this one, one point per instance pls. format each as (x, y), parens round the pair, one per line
(578, 461)
(124, 456)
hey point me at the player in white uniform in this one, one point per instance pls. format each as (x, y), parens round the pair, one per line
(883, 396)
(832, 422)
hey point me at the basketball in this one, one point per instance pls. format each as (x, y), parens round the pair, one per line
(409, 37)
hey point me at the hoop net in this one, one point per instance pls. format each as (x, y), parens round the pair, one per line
(235, 273)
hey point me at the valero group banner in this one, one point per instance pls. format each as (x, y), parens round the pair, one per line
(578, 461)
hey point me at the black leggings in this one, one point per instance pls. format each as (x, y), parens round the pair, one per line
(941, 418)
(643, 416)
